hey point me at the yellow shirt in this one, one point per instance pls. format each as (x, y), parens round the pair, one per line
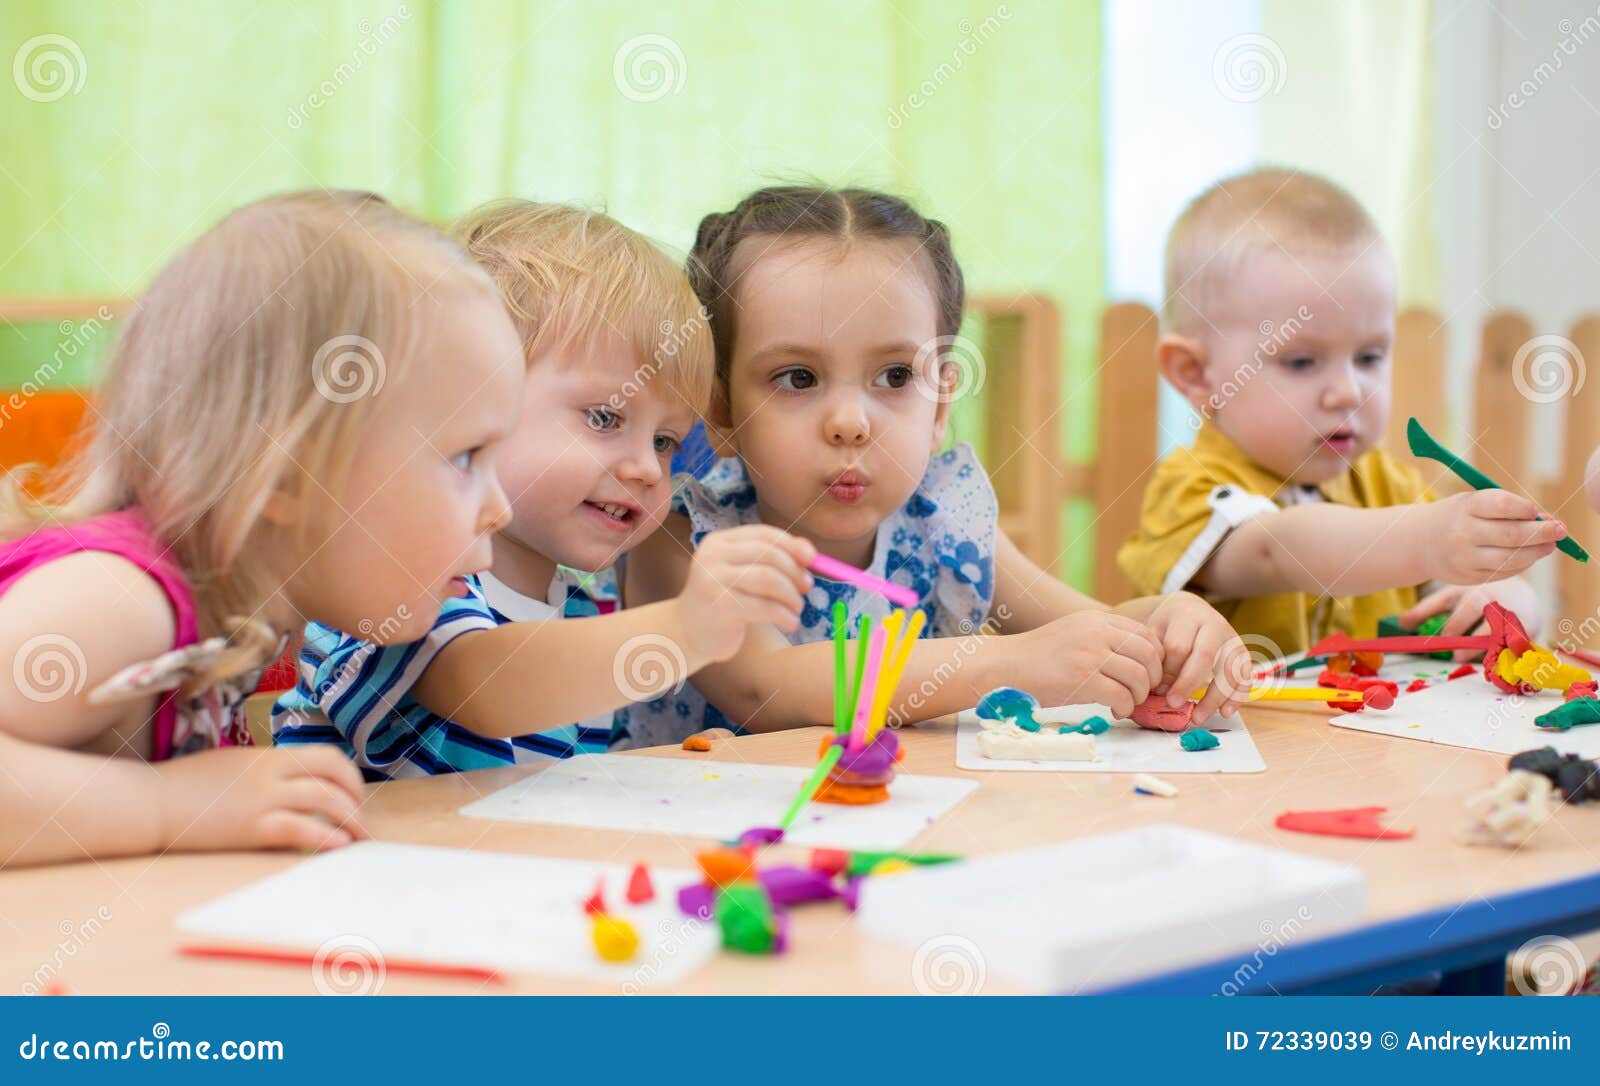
(1178, 509)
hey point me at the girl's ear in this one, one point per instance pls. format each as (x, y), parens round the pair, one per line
(719, 423)
(1182, 361)
(283, 508)
(949, 374)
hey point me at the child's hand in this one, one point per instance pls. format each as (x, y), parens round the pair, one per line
(753, 573)
(1484, 535)
(1465, 605)
(1199, 648)
(1091, 656)
(251, 797)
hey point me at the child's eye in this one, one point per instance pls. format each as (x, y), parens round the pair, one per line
(894, 377)
(602, 419)
(666, 444)
(461, 461)
(1299, 363)
(1370, 358)
(797, 379)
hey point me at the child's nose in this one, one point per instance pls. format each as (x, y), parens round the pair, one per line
(643, 465)
(847, 423)
(1343, 388)
(496, 511)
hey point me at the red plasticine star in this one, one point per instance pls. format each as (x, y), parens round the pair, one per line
(1342, 822)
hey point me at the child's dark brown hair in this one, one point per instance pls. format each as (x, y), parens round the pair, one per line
(800, 211)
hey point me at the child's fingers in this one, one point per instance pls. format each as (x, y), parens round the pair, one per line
(310, 795)
(1106, 691)
(301, 832)
(1205, 669)
(1463, 620)
(1179, 676)
(328, 764)
(766, 537)
(1514, 534)
(1497, 563)
(1502, 505)
(766, 583)
(1130, 674)
(1428, 606)
(1137, 642)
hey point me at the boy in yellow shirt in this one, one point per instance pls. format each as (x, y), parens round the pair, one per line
(1277, 326)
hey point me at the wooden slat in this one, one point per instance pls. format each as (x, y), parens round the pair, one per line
(1022, 432)
(1500, 413)
(1419, 381)
(1578, 610)
(1126, 449)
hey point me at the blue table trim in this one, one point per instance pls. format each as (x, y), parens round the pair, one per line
(1462, 939)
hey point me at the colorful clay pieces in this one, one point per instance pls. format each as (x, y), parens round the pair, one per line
(1578, 780)
(1343, 822)
(1198, 739)
(863, 776)
(750, 906)
(1570, 714)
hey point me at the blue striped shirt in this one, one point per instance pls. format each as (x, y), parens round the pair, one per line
(356, 694)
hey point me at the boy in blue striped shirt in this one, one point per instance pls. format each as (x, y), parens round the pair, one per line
(619, 367)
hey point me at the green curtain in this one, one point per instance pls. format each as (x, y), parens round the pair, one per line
(138, 125)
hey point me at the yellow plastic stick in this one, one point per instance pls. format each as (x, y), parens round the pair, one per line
(892, 627)
(899, 658)
(1294, 693)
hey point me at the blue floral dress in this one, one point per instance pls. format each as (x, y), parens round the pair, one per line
(940, 544)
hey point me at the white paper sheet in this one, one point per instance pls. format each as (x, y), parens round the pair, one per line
(1469, 712)
(1126, 748)
(719, 800)
(1089, 913)
(457, 907)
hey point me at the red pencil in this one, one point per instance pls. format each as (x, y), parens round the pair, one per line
(304, 958)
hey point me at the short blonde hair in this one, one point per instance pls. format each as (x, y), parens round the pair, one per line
(567, 273)
(227, 381)
(1263, 209)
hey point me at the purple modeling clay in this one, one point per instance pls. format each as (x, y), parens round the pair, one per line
(876, 759)
(791, 885)
(698, 900)
(761, 835)
(852, 892)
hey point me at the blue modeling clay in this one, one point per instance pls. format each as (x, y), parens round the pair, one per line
(1199, 739)
(1009, 703)
(1093, 726)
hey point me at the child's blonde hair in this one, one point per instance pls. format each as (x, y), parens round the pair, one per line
(251, 364)
(1267, 208)
(568, 273)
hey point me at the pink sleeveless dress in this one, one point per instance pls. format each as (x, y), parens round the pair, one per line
(183, 723)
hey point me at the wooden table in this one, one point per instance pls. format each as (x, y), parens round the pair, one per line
(107, 927)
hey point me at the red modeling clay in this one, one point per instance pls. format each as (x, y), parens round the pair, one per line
(639, 888)
(1416, 684)
(1463, 671)
(1581, 690)
(1154, 713)
(1346, 822)
(830, 861)
(596, 902)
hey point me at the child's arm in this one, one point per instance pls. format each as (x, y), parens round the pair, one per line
(1335, 550)
(769, 685)
(104, 613)
(1198, 647)
(528, 676)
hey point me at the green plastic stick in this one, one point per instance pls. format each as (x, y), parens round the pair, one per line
(841, 679)
(1423, 444)
(809, 788)
(863, 635)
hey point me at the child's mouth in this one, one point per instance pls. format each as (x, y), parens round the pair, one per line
(1340, 441)
(618, 518)
(848, 487)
